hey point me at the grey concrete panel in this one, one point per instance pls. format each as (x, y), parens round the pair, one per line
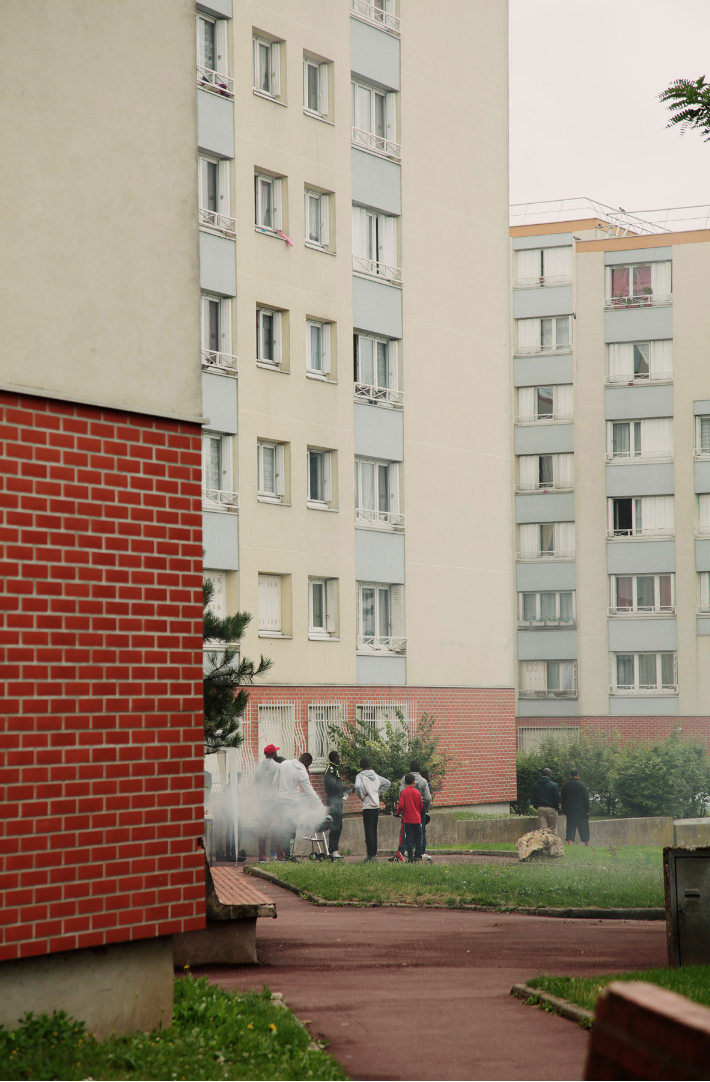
(702, 407)
(638, 324)
(702, 554)
(547, 645)
(379, 671)
(640, 479)
(548, 708)
(636, 255)
(374, 54)
(544, 439)
(640, 557)
(376, 182)
(702, 475)
(550, 301)
(220, 540)
(650, 634)
(703, 623)
(543, 240)
(379, 556)
(221, 9)
(377, 307)
(219, 403)
(378, 433)
(218, 270)
(554, 507)
(626, 706)
(215, 124)
(541, 371)
(633, 403)
(541, 575)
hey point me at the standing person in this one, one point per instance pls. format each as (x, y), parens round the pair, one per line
(263, 786)
(288, 784)
(546, 800)
(410, 808)
(335, 789)
(574, 797)
(422, 786)
(369, 786)
(425, 818)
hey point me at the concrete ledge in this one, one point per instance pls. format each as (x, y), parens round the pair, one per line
(560, 1006)
(230, 942)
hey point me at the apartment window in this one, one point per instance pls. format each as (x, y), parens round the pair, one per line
(545, 473)
(218, 602)
(212, 56)
(267, 202)
(315, 87)
(268, 336)
(545, 404)
(703, 527)
(216, 351)
(320, 485)
(642, 593)
(551, 335)
(322, 608)
(702, 436)
(316, 218)
(213, 193)
(206, 43)
(217, 488)
(376, 374)
(374, 120)
(546, 541)
(654, 673)
(652, 438)
(267, 64)
(375, 244)
(377, 494)
(640, 362)
(317, 348)
(638, 285)
(270, 603)
(704, 587)
(321, 718)
(548, 608)
(548, 680)
(639, 516)
(380, 618)
(543, 267)
(276, 723)
(270, 470)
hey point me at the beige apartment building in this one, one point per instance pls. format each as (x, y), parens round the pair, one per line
(611, 333)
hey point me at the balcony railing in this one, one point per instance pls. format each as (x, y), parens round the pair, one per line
(702, 531)
(548, 486)
(702, 452)
(215, 82)
(379, 518)
(382, 644)
(222, 362)
(651, 531)
(367, 140)
(637, 456)
(561, 693)
(531, 351)
(371, 13)
(377, 270)
(379, 394)
(559, 554)
(643, 689)
(217, 499)
(553, 621)
(221, 223)
(643, 300)
(656, 610)
(545, 418)
(703, 610)
(638, 377)
(542, 280)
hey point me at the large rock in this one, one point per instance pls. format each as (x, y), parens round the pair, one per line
(539, 845)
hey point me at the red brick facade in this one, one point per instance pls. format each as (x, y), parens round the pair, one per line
(650, 729)
(102, 669)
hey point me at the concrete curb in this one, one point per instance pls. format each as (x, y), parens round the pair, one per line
(569, 1010)
(524, 911)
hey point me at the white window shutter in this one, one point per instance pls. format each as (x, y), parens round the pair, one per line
(225, 325)
(704, 512)
(563, 468)
(255, 63)
(280, 470)
(392, 368)
(391, 117)
(661, 277)
(388, 248)
(325, 348)
(662, 357)
(658, 512)
(656, 435)
(528, 332)
(564, 538)
(220, 42)
(276, 201)
(324, 219)
(305, 83)
(528, 469)
(397, 611)
(276, 324)
(563, 403)
(534, 676)
(331, 604)
(359, 231)
(557, 261)
(223, 182)
(269, 602)
(527, 264)
(526, 404)
(327, 476)
(393, 483)
(323, 89)
(275, 69)
(218, 603)
(529, 537)
(308, 346)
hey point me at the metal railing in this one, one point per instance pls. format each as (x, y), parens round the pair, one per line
(639, 377)
(542, 280)
(224, 362)
(702, 610)
(376, 270)
(644, 300)
(559, 554)
(531, 351)
(701, 452)
(222, 223)
(545, 418)
(371, 13)
(653, 531)
(379, 518)
(549, 486)
(636, 456)
(549, 621)
(382, 644)
(367, 140)
(379, 394)
(702, 531)
(641, 610)
(643, 689)
(560, 693)
(215, 82)
(218, 499)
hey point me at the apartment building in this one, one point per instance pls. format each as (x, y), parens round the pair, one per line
(353, 271)
(612, 445)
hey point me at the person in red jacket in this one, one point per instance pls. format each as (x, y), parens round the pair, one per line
(410, 808)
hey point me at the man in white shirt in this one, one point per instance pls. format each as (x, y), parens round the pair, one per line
(289, 783)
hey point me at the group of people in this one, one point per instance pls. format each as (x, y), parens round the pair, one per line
(573, 799)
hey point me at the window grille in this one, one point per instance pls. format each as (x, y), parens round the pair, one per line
(530, 737)
(320, 742)
(376, 715)
(277, 725)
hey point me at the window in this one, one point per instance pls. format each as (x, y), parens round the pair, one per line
(268, 336)
(270, 470)
(218, 602)
(216, 352)
(640, 362)
(546, 541)
(376, 375)
(267, 64)
(704, 586)
(548, 680)
(703, 527)
(656, 673)
(212, 56)
(545, 473)
(315, 87)
(206, 43)
(377, 716)
(317, 348)
(530, 737)
(543, 267)
(642, 593)
(641, 516)
(375, 244)
(652, 438)
(545, 404)
(277, 725)
(320, 487)
(373, 120)
(217, 455)
(549, 608)
(380, 618)
(316, 218)
(638, 285)
(702, 437)
(377, 494)
(267, 202)
(213, 193)
(551, 335)
(321, 717)
(322, 608)
(270, 603)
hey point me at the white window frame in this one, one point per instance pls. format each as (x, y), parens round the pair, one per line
(560, 462)
(700, 451)
(325, 478)
(330, 607)
(654, 346)
(547, 692)
(390, 519)
(214, 79)
(321, 200)
(221, 360)
(636, 688)
(561, 414)
(548, 621)
(541, 279)
(392, 643)
(276, 494)
(654, 297)
(270, 624)
(276, 337)
(657, 610)
(364, 136)
(274, 80)
(262, 181)
(222, 497)
(636, 438)
(217, 220)
(703, 607)
(635, 531)
(539, 348)
(375, 247)
(557, 552)
(321, 69)
(318, 367)
(389, 394)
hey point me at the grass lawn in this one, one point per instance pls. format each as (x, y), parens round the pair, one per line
(690, 981)
(630, 876)
(215, 1034)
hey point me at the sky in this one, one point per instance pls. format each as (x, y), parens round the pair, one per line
(585, 119)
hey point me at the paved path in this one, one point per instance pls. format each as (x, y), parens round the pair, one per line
(417, 994)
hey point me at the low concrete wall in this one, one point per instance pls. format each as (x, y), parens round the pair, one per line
(473, 832)
(221, 942)
(691, 832)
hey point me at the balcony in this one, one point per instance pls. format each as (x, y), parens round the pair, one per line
(559, 554)
(542, 281)
(215, 82)
(392, 520)
(217, 499)
(376, 144)
(657, 610)
(543, 487)
(373, 269)
(545, 419)
(383, 396)
(639, 456)
(542, 351)
(651, 531)
(381, 644)
(217, 223)
(644, 300)
(219, 362)
(560, 693)
(373, 14)
(643, 379)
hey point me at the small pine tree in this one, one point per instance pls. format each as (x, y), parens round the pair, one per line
(225, 697)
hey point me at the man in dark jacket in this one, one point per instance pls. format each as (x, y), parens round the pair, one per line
(546, 799)
(574, 797)
(335, 789)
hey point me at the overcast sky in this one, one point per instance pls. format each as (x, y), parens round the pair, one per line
(584, 113)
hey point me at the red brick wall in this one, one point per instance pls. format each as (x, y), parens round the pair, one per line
(476, 726)
(651, 729)
(100, 735)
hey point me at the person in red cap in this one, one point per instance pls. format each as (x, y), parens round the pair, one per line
(410, 808)
(263, 779)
